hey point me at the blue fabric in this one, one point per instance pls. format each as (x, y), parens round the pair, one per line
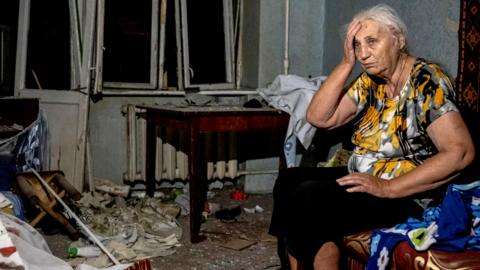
(453, 226)
(27, 149)
(290, 151)
(7, 172)
(16, 202)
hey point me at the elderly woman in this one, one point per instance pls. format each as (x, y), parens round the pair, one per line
(409, 140)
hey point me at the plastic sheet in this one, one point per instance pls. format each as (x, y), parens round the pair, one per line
(29, 250)
(29, 148)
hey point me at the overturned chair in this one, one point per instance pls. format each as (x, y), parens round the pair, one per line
(38, 196)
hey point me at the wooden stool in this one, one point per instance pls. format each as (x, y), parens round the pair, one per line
(39, 197)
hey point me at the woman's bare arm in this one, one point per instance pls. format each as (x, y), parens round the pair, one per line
(330, 107)
(455, 151)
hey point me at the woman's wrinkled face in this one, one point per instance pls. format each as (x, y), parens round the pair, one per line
(376, 49)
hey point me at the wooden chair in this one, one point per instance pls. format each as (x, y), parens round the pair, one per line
(45, 202)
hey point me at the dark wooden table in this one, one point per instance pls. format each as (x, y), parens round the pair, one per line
(195, 120)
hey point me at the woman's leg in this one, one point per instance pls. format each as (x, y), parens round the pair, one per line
(293, 262)
(288, 180)
(327, 257)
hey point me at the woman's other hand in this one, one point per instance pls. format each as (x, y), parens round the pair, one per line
(361, 182)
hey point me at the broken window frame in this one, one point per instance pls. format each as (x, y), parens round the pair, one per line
(80, 50)
(157, 45)
(86, 38)
(229, 52)
(181, 36)
(3, 54)
(75, 47)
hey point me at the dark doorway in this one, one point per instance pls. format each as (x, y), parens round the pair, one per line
(8, 44)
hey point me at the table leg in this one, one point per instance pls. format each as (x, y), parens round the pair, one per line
(198, 184)
(150, 160)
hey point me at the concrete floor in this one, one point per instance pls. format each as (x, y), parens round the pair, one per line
(210, 254)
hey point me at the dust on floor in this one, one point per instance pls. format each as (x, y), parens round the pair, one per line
(211, 253)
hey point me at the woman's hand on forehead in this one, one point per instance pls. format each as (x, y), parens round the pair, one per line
(349, 49)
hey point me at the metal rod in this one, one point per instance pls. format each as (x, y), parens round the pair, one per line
(176, 93)
(249, 172)
(239, 72)
(287, 27)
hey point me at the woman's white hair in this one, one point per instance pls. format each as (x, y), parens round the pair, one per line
(385, 16)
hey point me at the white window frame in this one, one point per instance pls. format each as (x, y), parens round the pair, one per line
(78, 66)
(157, 46)
(154, 87)
(228, 31)
(3, 54)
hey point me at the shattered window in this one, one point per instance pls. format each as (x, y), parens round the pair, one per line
(127, 41)
(208, 58)
(167, 45)
(48, 50)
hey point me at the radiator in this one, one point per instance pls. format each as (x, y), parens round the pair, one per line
(170, 155)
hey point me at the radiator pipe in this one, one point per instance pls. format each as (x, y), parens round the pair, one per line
(286, 62)
(250, 172)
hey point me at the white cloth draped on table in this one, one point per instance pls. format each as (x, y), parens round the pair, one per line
(292, 94)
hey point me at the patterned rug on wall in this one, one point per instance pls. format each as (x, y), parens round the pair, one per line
(468, 76)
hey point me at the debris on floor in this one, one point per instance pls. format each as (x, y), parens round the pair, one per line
(132, 229)
(253, 210)
(238, 244)
(212, 253)
(109, 187)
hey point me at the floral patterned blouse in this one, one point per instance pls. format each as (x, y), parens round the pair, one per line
(391, 138)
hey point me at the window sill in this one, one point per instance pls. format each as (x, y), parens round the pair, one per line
(226, 92)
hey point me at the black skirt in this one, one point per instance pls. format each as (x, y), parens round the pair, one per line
(310, 209)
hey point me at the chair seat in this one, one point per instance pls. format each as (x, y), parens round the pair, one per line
(405, 257)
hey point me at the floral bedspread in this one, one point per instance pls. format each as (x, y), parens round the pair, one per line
(452, 226)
